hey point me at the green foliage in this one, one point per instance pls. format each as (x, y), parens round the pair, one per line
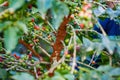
(105, 43)
(12, 34)
(59, 10)
(102, 73)
(23, 76)
(59, 76)
(16, 4)
(43, 6)
(36, 24)
(10, 38)
(3, 74)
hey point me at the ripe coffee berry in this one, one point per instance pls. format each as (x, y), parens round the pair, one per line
(17, 57)
(72, 16)
(81, 25)
(32, 20)
(31, 45)
(36, 40)
(30, 55)
(43, 28)
(36, 27)
(6, 4)
(66, 52)
(30, 6)
(1, 59)
(93, 62)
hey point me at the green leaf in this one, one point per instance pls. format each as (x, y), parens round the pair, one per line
(115, 72)
(34, 10)
(5, 25)
(106, 77)
(104, 68)
(59, 10)
(23, 76)
(10, 38)
(111, 13)
(99, 11)
(69, 77)
(1, 26)
(57, 76)
(22, 26)
(108, 44)
(16, 4)
(3, 74)
(43, 6)
(94, 75)
(88, 44)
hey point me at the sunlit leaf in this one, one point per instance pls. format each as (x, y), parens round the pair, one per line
(99, 11)
(115, 72)
(10, 38)
(43, 6)
(104, 68)
(108, 44)
(16, 4)
(106, 77)
(69, 77)
(88, 44)
(57, 76)
(59, 11)
(23, 76)
(4, 25)
(22, 26)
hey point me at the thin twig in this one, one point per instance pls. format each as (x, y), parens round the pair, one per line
(74, 52)
(101, 28)
(87, 30)
(23, 69)
(76, 21)
(110, 60)
(44, 51)
(70, 41)
(83, 64)
(42, 38)
(52, 27)
(35, 71)
(37, 62)
(93, 56)
(11, 67)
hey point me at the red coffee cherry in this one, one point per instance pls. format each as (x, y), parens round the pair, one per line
(93, 62)
(15, 55)
(36, 27)
(1, 59)
(72, 16)
(81, 25)
(30, 6)
(6, 4)
(30, 55)
(31, 45)
(32, 20)
(66, 52)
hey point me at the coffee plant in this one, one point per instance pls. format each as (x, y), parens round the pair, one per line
(55, 40)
